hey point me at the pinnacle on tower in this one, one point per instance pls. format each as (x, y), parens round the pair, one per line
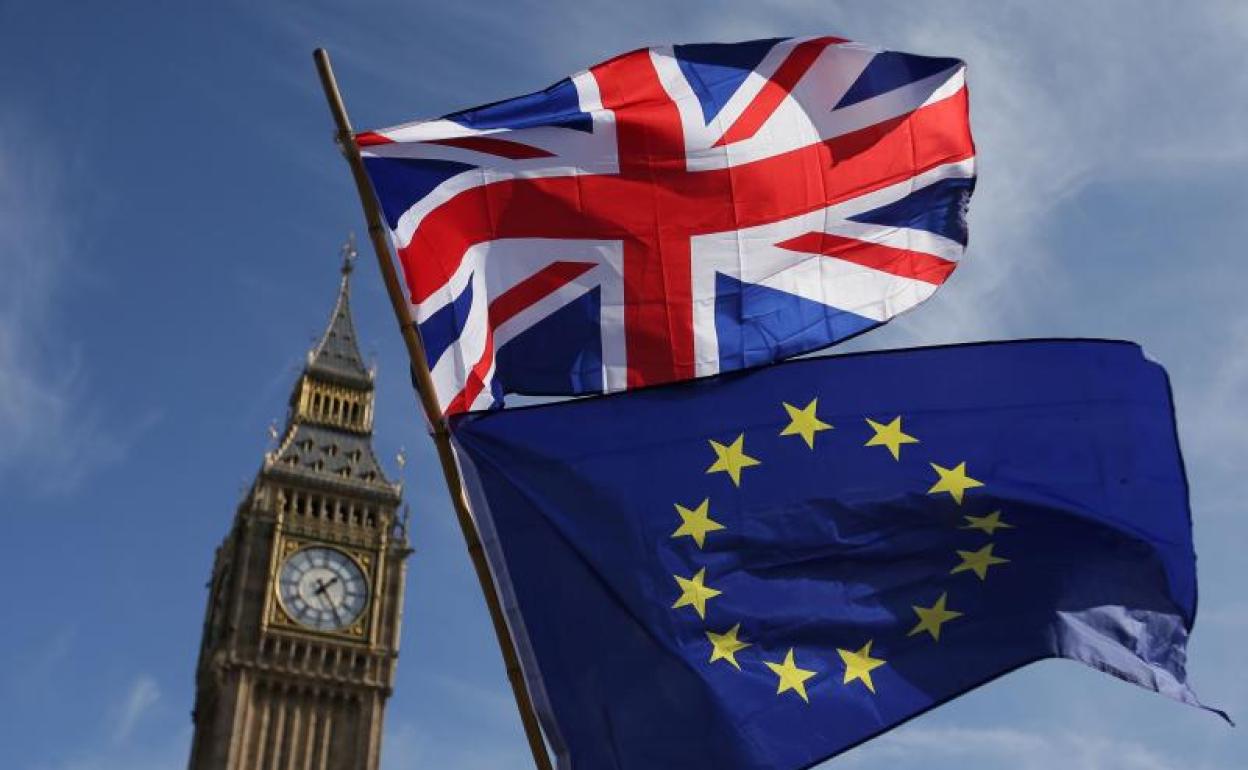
(337, 355)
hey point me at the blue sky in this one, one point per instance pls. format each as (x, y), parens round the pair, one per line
(170, 214)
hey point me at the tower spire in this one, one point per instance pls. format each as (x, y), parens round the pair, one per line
(337, 355)
(330, 424)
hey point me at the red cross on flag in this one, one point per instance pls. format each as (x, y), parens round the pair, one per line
(676, 212)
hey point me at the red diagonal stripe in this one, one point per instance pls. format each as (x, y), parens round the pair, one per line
(476, 377)
(908, 264)
(491, 146)
(535, 288)
(775, 89)
(370, 138)
(509, 303)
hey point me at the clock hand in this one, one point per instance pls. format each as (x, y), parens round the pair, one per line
(325, 600)
(320, 593)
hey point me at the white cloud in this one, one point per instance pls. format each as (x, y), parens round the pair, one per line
(143, 694)
(125, 745)
(53, 436)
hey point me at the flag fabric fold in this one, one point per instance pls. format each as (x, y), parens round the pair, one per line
(763, 569)
(676, 212)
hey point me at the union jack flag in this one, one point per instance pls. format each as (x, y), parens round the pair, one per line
(676, 212)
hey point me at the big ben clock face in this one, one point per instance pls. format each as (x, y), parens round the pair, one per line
(322, 588)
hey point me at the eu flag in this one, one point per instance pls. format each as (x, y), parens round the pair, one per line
(764, 569)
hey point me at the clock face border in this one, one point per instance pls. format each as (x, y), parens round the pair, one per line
(279, 616)
(341, 588)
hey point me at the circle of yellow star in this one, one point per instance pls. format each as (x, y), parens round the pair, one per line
(725, 646)
(731, 459)
(988, 524)
(860, 664)
(978, 562)
(932, 618)
(695, 593)
(954, 481)
(696, 522)
(890, 436)
(803, 422)
(791, 677)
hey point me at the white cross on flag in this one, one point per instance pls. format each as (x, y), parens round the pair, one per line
(676, 212)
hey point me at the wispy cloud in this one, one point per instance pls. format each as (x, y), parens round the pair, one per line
(46, 416)
(142, 695)
(124, 744)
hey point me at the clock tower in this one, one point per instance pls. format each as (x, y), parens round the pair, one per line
(301, 632)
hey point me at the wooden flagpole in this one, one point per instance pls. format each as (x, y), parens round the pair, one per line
(428, 400)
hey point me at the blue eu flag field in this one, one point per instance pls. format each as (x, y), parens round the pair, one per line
(761, 570)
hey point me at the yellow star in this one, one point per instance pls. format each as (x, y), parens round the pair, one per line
(978, 561)
(731, 459)
(791, 677)
(697, 522)
(804, 423)
(890, 435)
(725, 646)
(954, 481)
(860, 664)
(932, 618)
(694, 593)
(989, 524)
